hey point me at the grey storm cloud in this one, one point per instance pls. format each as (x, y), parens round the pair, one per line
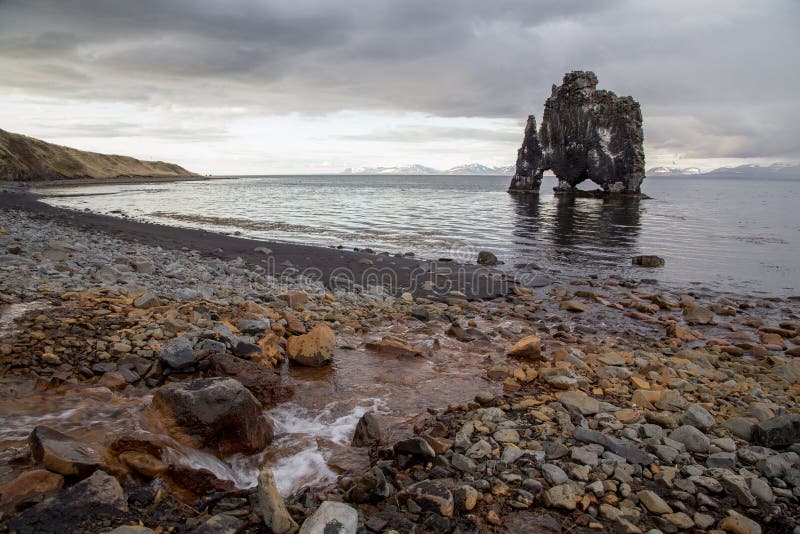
(716, 77)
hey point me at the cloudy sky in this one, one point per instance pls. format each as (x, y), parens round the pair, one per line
(268, 86)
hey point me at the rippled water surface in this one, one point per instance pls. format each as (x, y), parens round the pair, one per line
(730, 235)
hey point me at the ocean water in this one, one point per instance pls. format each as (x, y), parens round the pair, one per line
(728, 235)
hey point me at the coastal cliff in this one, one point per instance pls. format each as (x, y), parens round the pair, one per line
(24, 158)
(586, 134)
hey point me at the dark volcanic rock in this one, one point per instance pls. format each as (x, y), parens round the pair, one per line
(626, 449)
(371, 488)
(648, 261)
(586, 134)
(77, 509)
(431, 496)
(198, 481)
(368, 431)
(414, 447)
(264, 383)
(486, 258)
(177, 353)
(218, 412)
(781, 431)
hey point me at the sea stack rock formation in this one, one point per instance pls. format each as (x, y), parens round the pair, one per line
(585, 134)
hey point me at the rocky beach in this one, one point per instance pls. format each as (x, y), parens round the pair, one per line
(147, 373)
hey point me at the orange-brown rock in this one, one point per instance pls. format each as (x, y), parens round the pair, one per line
(29, 488)
(295, 299)
(574, 306)
(143, 463)
(640, 382)
(694, 313)
(140, 441)
(770, 338)
(529, 347)
(644, 398)
(314, 349)
(732, 350)
(62, 454)
(680, 332)
(293, 324)
(198, 481)
(393, 346)
(112, 380)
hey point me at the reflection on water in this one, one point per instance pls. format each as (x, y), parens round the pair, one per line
(607, 223)
(577, 231)
(733, 235)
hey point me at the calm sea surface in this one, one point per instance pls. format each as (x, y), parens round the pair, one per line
(730, 235)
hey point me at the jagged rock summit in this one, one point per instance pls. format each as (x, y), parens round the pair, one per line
(586, 134)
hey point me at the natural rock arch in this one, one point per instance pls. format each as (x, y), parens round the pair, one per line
(585, 134)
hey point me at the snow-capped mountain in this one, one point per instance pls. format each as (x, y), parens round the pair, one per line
(782, 171)
(776, 170)
(411, 170)
(470, 168)
(672, 171)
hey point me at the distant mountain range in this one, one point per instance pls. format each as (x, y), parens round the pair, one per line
(783, 171)
(415, 170)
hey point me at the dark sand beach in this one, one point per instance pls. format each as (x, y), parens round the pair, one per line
(335, 267)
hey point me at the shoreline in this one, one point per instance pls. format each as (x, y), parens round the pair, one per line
(335, 267)
(462, 271)
(678, 275)
(119, 180)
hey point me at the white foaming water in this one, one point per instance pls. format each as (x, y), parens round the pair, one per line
(241, 469)
(306, 468)
(19, 427)
(296, 426)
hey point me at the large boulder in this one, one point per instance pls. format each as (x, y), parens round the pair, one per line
(586, 134)
(215, 412)
(264, 383)
(78, 509)
(62, 454)
(314, 349)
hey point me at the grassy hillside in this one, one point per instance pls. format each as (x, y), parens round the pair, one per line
(24, 158)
